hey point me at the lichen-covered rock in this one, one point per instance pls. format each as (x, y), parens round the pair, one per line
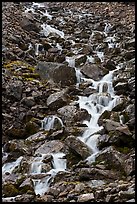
(27, 186)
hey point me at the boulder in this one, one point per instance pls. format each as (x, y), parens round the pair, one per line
(27, 185)
(50, 146)
(29, 25)
(93, 71)
(77, 146)
(111, 125)
(14, 89)
(86, 197)
(71, 114)
(60, 73)
(112, 158)
(57, 100)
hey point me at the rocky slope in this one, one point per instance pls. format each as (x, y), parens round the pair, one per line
(50, 53)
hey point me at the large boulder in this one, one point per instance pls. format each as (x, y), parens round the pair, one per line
(60, 73)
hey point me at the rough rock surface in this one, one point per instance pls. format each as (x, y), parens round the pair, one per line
(52, 54)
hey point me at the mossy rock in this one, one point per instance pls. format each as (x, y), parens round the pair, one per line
(31, 75)
(31, 128)
(105, 115)
(9, 190)
(114, 116)
(16, 133)
(124, 150)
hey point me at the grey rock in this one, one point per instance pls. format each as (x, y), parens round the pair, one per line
(28, 101)
(15, 89)
(57, 100)
(86, 197)
(29, 25)
(78, 146)
(93, 71)
(58, 72)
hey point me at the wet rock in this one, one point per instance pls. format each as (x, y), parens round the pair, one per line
(110, 65)
(105, 115)
(57, 100)
(76, 145)
(93, 71)
(103, 141)
(121, 87)
(81, 60)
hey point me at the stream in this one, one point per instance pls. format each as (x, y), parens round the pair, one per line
(102, 99)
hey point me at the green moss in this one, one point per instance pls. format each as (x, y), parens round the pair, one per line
(31, 76)
(31, 128)
(10, 190)
(124, 150)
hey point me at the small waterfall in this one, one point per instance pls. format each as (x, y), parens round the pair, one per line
(9, 167)
(47, 29)
(71, 62)
(36, 165)
(59, 164)
(48, 123)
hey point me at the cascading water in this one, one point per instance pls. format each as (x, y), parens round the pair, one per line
(49, 122)
(58, 163)
(96, 104)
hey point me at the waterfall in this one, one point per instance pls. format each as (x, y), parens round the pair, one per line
(9, 167)
(48, 123)
(71, 62)
(59, 164)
